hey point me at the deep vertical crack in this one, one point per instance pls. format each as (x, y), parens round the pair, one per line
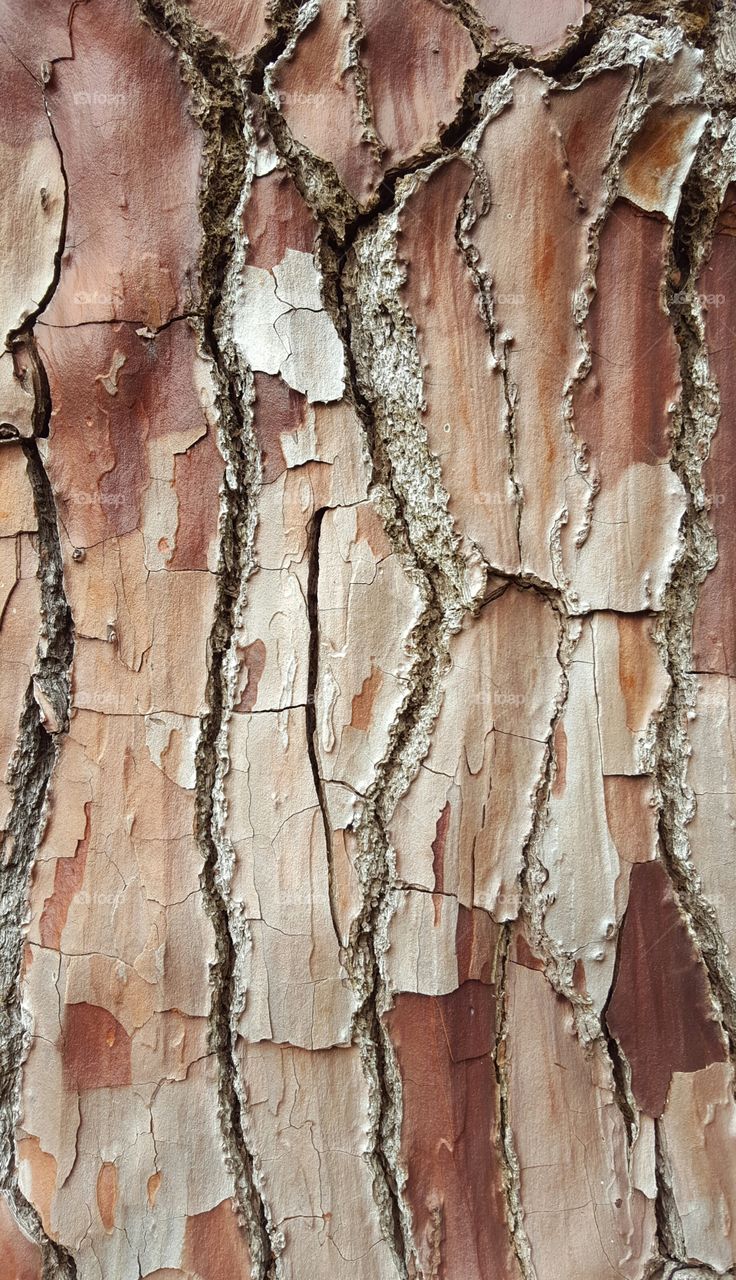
(670, 1237)
(441, 594)
(32, 765)
(315, 529)
(511, 1177)
(220, 105)
(694, 428)
(29, 777)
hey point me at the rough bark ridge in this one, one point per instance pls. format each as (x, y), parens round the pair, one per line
(368, 639)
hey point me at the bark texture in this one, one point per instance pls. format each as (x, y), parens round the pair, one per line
(368, 639)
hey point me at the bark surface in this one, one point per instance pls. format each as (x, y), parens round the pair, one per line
(368, 639)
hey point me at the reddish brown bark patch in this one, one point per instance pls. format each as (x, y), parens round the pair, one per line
(444, 1047)
(362, 704)
(543, 25)
(438, 848)
(278, 410)
(423, 48)
(622, 407)
(152, 1188)
(476, 939)
(243, 26)
(464, 402)
(119, 106)
(68, 879)
(22, 1258)
(42, 1170)
(197, 477)
(660, 1010)
(276, 218)
(559, 748)
(214, 1246)
(317, 89)
(522, 954)
(635, 651)
(631, 816)
(107, 1194)
(98, 460)
(95, 1049)
(655, 152)
(254, 661)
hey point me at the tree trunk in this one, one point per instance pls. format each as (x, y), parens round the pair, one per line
(367, 638)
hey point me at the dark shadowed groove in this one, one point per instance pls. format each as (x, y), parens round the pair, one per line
(32, 765)
(218, 104)
(506, 1147)
(670, 1240)
(691, 441)
(29, 777)
(693, 429)
(315, 529)
(339, 214)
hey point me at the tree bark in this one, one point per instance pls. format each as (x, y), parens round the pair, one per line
(368, 639)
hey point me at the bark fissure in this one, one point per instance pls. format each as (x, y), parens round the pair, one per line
(670, 1237)
(341, 216)
(510, 1164)
(32, 765)
(410, 733)
(696, 424)
(220, 98)
(311, 704)
(30, 776)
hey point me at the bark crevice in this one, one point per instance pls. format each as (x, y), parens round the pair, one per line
(220, 105)
(32, 765)
(30, 774)
(696, 423)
